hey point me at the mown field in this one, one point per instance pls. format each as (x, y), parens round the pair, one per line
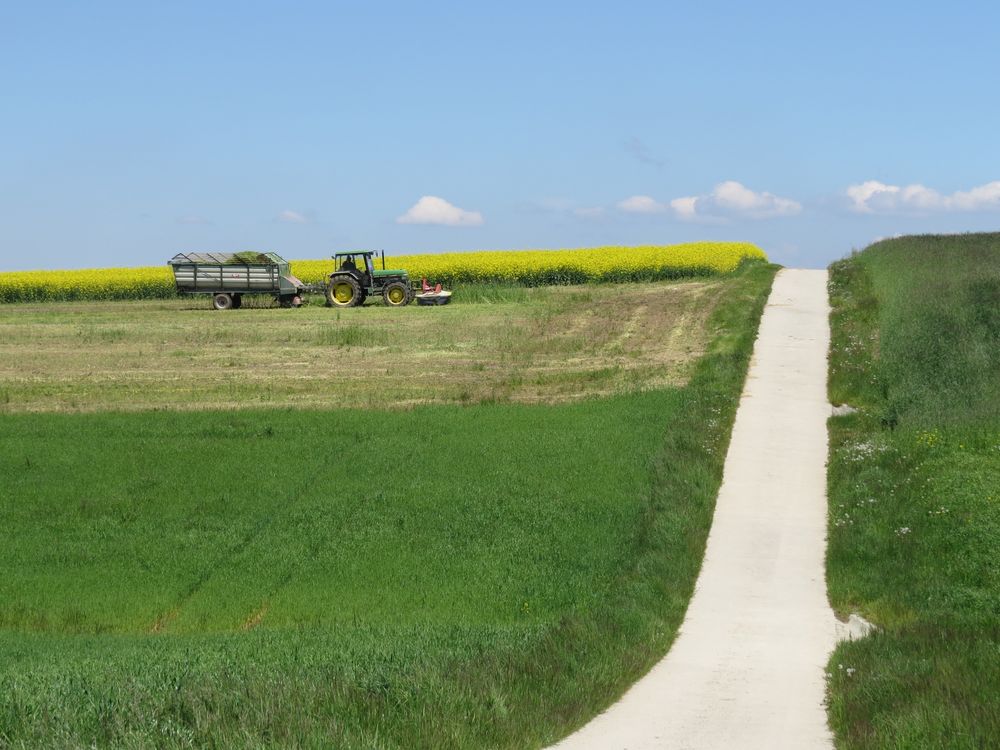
(518, 267)
(540, 345)
(480, 572)
(914, 482)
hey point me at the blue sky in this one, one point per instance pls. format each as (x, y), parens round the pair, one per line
(131, 131)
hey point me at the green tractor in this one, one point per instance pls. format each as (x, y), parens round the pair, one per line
(351, 284)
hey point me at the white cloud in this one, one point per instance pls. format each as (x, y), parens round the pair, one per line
(686, 208)
(642, 204)
(433, 210)
(983, 198)
(589, 212)
(292, 217)
(877, 197)
(866, 191)
(727, 199)
(732, 199)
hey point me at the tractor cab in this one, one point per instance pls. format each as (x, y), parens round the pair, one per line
(356, 263)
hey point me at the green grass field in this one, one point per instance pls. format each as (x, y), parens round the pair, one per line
(914, 483)
(444, 575)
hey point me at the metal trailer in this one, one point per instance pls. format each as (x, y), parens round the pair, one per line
(228, 276)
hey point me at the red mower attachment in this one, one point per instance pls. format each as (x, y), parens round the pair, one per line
(429, 295)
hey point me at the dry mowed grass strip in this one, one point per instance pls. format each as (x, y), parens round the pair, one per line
(555, 344)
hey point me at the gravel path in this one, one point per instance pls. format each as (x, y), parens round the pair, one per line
(746, 670)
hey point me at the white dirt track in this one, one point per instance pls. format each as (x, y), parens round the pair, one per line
(747, 669)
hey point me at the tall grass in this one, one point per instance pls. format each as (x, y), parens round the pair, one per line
(490, 293)
(915, 492)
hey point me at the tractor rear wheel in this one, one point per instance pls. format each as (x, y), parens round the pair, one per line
(396, 294)
(344, 291)
(222, 301)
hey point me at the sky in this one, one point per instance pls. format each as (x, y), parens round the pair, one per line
(133, 131)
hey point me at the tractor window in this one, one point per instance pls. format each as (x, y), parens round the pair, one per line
(370, 265)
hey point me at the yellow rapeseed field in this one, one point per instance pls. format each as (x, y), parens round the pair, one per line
(535, 267)
(529, 267)
(95, 283)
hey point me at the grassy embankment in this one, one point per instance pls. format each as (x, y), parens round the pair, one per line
(443, 576)
(915, 492)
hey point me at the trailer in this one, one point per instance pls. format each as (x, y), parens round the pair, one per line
(226, 277)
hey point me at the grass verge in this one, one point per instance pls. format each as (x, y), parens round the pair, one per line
(914, 487)
(485, 576)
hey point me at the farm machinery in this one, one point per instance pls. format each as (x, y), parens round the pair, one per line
(229, 276)
(350, 284)
(226, 277)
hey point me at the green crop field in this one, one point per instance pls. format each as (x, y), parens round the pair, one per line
(477, 566)
(914, 482)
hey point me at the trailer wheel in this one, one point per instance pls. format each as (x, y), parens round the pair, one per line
(344, 291)
(237, 301)
(296, 301)
(396, 294)
(222, 301)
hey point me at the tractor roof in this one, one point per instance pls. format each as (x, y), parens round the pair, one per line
(353, 252)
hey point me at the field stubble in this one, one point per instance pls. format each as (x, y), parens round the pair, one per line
(542, 345)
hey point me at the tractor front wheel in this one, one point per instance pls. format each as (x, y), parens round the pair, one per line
(396, 294)
(343, 291)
